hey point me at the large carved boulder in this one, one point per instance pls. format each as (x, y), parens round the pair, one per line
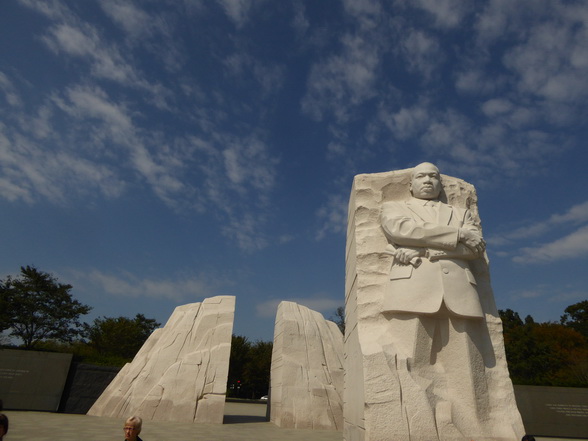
(307, 370)
(405, 378)
(180, 373)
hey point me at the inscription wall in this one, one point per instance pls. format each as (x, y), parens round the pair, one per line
(553, 411)
(31, 380)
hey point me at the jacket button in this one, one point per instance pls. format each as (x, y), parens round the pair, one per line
(445, 271)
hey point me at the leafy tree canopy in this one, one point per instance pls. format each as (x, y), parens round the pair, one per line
(120, 336)
(38, 307)
(576, 317)
(339, 318)
(249, 368)
(510, 319)
(544, 354)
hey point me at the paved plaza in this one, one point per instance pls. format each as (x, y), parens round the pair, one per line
(243, 422)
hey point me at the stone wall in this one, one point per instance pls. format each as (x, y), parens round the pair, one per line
(85, 383)
(307, 370)
(180, 373)
(32, 380)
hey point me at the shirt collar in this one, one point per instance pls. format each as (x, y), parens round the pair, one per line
(423, 202)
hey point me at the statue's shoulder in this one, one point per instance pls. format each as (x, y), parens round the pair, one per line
(394, 204)
(459, 210)
(390, 207)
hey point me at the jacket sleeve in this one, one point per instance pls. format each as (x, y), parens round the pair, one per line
(461, 251)
(401, 228)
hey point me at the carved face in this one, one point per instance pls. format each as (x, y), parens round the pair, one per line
(426, 181)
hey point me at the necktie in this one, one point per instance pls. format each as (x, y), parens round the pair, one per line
(432, 209)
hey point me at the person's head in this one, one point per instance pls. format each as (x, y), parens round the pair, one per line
(3, 425)
(132, 428)
(528, 438)
(425, 181)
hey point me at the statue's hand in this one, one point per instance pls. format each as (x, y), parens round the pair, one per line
(405, 255)
(473, 240)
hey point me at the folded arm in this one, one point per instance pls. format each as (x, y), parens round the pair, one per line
(414, 238)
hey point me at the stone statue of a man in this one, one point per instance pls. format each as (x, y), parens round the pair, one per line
(432, 243)
(424, 353)
(434, 310)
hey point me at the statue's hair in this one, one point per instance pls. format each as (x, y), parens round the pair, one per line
(423, 163)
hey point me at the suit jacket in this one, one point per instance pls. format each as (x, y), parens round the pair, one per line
(443, 275)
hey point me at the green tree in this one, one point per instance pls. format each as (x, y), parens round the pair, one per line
(339, 318)
(120, 336)
(510, 319)
(544, 354)
(5, 304)
(257, 370)
(240, 355)
(249, 368)
(39, 308)
(576, 317)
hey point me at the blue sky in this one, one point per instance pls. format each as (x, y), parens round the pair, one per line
(154, 153)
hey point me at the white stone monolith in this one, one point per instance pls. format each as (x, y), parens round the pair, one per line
(307, 370)
(424, 352)
(180, 373)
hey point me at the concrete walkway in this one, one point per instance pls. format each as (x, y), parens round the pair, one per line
(242, 422)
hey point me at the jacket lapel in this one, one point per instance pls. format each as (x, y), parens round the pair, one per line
(419, 210)
(445, 213)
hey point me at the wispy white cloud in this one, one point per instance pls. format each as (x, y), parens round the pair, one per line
(239, 10)
(247, 162)
(473, 79)
(552, 62)
(268, 77)
(300, 22)
(569, 245)
(445, 13)
(509, 136)
(83, 41)
(105, 143)
(9, 91)
(333, 216)
(125, 284)
(362, 86)
(576, 215)
(342, 81)
(238, 177)
(567, 293)
(52, 9)
(147, 30)
(422, 52)
(324, 305)
(134, 20)
(574, 245)
(498, 18)
(545, 59)
(407, 121)
(496, 106)
(366, 12)
(101, 137)
(93, 105)
(31, 171)
(243, 230)
(71, 36)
